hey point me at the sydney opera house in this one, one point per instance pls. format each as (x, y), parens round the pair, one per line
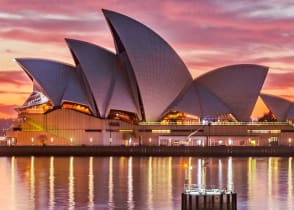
(143, 94)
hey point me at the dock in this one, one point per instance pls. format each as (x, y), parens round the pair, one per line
(202, 198)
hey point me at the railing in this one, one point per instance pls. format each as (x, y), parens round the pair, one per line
(207, 189)
(217, 123)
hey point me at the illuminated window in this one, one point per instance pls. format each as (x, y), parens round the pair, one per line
(161, 131)
(264, 131)
(124, 116)
(36, 103)
(76, 107)
(252, 142)
(179, 118)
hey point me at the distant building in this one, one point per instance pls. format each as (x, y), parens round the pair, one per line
(143, 94)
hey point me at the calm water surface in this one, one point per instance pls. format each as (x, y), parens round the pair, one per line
(139, 182)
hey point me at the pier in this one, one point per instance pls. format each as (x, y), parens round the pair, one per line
(202, 198)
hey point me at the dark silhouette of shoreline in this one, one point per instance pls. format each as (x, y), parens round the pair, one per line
(213, 151)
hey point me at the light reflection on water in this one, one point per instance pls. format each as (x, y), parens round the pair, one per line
(51, 184)
(290, 184)
(91, 185)
(140, 182)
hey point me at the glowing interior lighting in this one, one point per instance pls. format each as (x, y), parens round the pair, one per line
(230, 141)
(126, 130)
(51, 140)
(33, 140)
(264, 131)
(91, 139)
(160, 131)
(289, 140)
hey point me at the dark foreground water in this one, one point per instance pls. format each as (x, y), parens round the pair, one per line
(140, 182)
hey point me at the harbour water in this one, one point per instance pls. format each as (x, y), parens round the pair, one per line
(141, 182)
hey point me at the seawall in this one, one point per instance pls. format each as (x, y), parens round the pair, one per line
(281, 151)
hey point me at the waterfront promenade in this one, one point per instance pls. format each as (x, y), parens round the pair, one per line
(213, 151)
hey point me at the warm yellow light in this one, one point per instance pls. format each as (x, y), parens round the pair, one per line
(130, 141)
(253, 142)
(160, 131)
(126, 130)
(264, 131)
(185, 165)
(77, 107)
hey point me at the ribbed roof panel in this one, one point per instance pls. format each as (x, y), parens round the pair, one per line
(238, 86)
(160, 73)
(52, 76)
(279, 106)
(98, 65)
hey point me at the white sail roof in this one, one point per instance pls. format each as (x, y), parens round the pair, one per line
(159, 72)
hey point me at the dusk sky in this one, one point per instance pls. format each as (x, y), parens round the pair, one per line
(206, 34)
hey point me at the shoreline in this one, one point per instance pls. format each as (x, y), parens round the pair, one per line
(213, 151)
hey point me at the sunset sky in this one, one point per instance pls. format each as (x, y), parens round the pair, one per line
(206, 34)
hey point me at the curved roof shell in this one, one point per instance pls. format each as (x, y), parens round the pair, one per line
(97, 64)
(107, 80)
(290, 114)
(238, 86)
(159, 72)
(279, 106)
(199, 101)
(59, 82)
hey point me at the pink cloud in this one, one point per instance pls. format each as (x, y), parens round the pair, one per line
(9, 51)
(279, 81)
(17, 78)
(7, 112)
